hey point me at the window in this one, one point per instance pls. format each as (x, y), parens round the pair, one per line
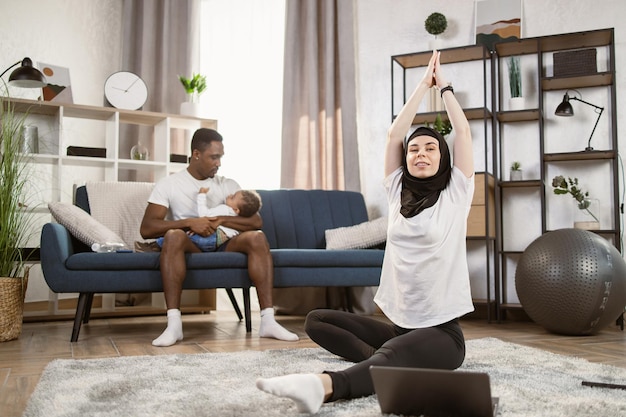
(242, 47)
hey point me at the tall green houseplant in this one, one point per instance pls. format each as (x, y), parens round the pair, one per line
(15, 221)
(15, 216)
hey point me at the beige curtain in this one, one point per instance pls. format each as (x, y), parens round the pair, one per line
(319, 143)
(160, 41)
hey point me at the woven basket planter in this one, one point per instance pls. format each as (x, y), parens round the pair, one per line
(12, 292)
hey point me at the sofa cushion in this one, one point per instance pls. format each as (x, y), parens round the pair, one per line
(298, 219)
(364, 235)
(81, 225)
(120, 206)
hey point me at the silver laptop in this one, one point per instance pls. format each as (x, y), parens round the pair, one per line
(433, 392)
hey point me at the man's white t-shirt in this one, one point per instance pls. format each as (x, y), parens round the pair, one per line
(425, 277)
(178, 192)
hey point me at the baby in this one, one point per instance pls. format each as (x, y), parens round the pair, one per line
(243, 203)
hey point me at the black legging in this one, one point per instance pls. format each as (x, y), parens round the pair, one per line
(368, 341)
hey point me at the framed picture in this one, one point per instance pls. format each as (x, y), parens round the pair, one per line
(59, 87)
(497, 21)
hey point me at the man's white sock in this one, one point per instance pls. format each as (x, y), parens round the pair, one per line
(174, 331)
(270, 328)
(306, 390)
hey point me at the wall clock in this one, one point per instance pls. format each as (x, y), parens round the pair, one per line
(125, 90)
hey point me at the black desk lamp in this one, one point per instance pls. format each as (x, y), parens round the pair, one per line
(26, 76)
(565, 109)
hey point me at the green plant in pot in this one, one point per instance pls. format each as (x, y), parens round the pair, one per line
(515, 83)
(15, 221)
(194, 86)
(440, 125)
(516, 171)
(583, 201)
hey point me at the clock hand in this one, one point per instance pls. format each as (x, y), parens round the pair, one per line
(133, 83)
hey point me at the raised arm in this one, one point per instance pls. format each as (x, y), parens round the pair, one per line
(463, 154)
(400, 127)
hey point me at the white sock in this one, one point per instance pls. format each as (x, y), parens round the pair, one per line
(306, 390)
(174, 331)
(270, 328)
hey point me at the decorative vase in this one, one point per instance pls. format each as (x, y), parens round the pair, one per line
(12, 293)
(139, 152)
(516, 175)
(586, 214)
(30, 139)
(189, 108)
(516, 103)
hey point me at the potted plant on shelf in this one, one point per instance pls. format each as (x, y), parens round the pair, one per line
(194, 87)
(435, 24)
(15, 221)
(442, 126)
(516, 171)
(584, 217)
(516, 101)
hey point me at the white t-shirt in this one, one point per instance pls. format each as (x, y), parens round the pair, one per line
(178, 192)
(425, 277)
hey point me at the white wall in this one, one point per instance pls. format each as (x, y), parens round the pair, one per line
(84, 36)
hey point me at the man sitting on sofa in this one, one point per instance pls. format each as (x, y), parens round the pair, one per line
(172, 213)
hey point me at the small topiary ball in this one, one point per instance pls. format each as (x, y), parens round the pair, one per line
(436, 23)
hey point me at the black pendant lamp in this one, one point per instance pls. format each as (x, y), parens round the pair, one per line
(26, 76)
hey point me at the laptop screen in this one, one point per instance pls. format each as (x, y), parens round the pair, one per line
(433, 392)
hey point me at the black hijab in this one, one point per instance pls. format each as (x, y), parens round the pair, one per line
(420, 193)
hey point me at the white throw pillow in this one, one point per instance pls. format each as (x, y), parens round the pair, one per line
(81, 225)
(360, 236)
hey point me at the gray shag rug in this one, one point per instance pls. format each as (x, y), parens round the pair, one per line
(528, 381)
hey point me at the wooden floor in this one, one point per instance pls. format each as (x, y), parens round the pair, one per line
(22, 361)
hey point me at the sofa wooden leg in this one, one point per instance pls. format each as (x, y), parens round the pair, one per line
(229, 291)
(83, 301)
(246, 309)
(87, 314)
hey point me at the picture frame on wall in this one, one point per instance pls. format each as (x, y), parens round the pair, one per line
(59, 88)
(497, 21)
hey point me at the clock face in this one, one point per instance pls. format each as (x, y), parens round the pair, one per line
(125, 90)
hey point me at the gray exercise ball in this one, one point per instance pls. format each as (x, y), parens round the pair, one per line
(571, 282)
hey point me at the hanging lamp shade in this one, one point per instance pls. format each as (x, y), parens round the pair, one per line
(26, 76)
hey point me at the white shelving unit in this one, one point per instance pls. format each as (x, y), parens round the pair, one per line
(56, 174)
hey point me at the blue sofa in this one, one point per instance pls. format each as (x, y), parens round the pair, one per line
(294, 222)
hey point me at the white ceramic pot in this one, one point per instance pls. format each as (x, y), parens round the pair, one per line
(516, 175)
(516, 103)
(190, 109)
